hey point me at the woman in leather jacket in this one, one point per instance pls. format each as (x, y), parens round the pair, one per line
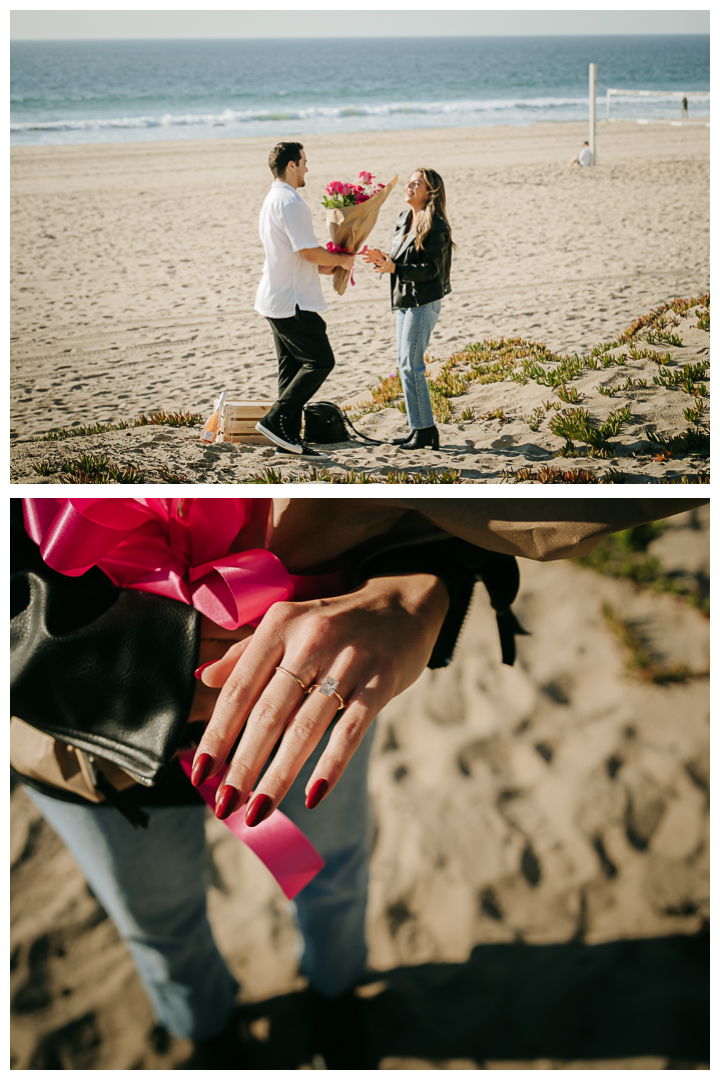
(419, 266)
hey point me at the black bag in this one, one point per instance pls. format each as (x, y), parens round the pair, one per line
(327, 423)
(324, 423)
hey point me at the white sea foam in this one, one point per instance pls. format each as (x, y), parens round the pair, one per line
(234, 116)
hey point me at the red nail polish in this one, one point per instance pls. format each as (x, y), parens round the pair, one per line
(201, 769)
(202, 667)
(258, 810)
(228, 802)
(316, 794)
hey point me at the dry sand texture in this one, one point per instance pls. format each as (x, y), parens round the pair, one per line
(539, 881)
(134, 269)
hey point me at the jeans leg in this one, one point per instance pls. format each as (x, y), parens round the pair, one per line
(400, 318)
(152, 884)
(414, 327)
(331, 909)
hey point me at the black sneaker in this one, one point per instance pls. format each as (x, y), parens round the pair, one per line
(274, 429)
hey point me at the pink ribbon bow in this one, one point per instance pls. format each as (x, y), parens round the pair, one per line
(337, 250)
(178, 548)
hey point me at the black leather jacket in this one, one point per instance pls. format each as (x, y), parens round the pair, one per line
(420, 277)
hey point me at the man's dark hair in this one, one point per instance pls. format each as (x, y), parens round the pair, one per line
(281, 156)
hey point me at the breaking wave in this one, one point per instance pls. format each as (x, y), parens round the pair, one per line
(228, 117)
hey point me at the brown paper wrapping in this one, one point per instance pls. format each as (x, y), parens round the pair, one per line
(41, 757)
(306, 532)
(350, 226)
(544, 529)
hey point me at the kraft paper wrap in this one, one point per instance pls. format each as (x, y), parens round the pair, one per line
(306, 531)
(350, 226)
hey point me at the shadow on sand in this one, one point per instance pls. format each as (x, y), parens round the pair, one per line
(571, 1002)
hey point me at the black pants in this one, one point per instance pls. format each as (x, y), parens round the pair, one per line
(305, 359)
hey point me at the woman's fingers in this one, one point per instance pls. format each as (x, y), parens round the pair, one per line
(301, 736)
(247, 669)
(265, 725)
(215, 672)
(347, 735)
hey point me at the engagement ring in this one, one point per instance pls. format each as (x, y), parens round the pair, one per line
(328, 687)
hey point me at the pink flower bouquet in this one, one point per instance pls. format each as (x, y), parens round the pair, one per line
(338, 194)
(352, 211)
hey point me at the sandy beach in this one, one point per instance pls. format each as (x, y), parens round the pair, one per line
(134, 269)
(539, 880)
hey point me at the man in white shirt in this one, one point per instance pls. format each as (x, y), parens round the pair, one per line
(585, 157)
(290, 297)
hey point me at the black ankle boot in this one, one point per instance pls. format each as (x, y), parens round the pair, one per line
(426, 438)
(405, 439)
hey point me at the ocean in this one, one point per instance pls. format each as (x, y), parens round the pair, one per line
(129, 91)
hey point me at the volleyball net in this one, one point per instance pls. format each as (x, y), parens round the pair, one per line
(659, 106)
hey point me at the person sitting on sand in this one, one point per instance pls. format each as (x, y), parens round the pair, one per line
(584, 157)
(290, 297)
(419, 264)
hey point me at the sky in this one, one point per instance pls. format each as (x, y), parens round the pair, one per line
(297, 22)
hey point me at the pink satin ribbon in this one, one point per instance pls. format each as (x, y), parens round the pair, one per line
(179, 548)
(278, 843)
(337, 250)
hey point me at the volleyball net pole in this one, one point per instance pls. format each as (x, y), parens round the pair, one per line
(592, 78)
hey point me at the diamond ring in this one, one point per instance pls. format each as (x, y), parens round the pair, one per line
(328, 687)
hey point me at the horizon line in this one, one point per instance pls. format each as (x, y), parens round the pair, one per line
(368, 37)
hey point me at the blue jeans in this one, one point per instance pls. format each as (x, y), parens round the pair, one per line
(414, 327)
(152, 883)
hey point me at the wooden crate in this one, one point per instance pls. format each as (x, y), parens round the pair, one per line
(256, 438)
(238, 419)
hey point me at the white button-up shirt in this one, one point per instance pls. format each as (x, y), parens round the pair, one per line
(287, 279)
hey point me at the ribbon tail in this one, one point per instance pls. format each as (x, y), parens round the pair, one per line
(284, 849)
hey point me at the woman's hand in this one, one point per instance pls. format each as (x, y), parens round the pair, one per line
(375, 642)
(214, 643)
(382, 262)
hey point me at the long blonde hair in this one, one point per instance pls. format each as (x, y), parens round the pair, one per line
(434, 204)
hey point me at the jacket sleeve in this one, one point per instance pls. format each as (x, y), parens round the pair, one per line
(459, 565)
(88, 659)
(428, 263)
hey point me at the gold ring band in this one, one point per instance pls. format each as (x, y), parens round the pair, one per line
(301, 684)
(328, 687)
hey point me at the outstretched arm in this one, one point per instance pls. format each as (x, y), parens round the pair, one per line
(321, 257)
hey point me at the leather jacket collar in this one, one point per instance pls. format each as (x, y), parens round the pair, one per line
(401, 241)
